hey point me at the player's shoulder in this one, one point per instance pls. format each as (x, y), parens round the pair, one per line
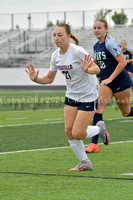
(112, 45)
(128, 49)
(55, 52)
(95, 43)
(75, 49)
(109, 40)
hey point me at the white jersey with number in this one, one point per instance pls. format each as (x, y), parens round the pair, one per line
(81, 86)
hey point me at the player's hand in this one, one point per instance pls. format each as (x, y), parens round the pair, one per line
(86, 62)
(105, 82)
(32, 73)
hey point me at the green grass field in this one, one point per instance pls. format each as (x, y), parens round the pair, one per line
(35, 157)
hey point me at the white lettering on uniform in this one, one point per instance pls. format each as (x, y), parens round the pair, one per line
(101, 64)
(100, 55)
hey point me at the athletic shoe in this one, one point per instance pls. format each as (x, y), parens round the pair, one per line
(92, 148)
(104, 135)
(82, 166)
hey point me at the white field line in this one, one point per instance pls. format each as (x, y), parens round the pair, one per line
(54, 148)
(16, 118)
(57, 122)
(56, 119)
(111, 119)
(32, 124)
(129, 174)
(125, 121)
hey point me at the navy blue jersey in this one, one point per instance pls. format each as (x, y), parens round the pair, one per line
(128, 55)
(105, 54)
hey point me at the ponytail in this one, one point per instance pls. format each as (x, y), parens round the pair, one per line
(75, 39)
(68, 31)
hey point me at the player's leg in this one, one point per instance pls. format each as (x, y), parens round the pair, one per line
(131, 74)
(123, 102)
(105, 95)
(77, 146)
(70, 113)
(81, 130)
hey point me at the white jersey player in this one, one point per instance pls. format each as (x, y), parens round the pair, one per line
(81, 86)
(79, 70)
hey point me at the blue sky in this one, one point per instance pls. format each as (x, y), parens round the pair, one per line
(17, 6)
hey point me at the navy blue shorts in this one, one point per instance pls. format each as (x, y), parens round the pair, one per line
(121, 82)
(118, 86)
(129, 68)
(86, 106)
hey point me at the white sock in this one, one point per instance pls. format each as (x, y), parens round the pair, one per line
(79, 149)
(92, 131)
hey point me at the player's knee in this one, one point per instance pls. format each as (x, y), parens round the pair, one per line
(78, 135)
(68, 132)
(125, 114)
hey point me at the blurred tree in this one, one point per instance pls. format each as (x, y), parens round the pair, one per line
(131, 22)
(17, 27)
(120, 18)
(59, 22)
(50, 24)
(101, 14)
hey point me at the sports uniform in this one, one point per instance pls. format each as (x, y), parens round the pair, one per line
(105, 54)
(81, 93)
(128, 55)
(81, 86)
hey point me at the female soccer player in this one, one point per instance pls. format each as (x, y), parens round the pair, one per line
(128, 56)
(114, 79)
(81, 94)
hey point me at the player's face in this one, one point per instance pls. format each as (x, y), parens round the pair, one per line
(99, 31)
(123, 45)
(61, 39)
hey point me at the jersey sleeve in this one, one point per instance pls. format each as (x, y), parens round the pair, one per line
(128, 49)
(113, 47)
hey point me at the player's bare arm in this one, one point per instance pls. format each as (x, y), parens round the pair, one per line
(47, 79)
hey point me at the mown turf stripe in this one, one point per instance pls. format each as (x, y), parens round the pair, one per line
(67, 175)
(52, 122)
(54, 148)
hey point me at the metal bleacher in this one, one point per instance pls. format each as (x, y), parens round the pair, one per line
(122, 32)
(17, 48)
(20, 47)
(87, 38)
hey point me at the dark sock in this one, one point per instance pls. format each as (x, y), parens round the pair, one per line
(131, 112)
(97, 117)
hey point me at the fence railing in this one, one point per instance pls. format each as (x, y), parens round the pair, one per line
(40, 20)
(22, 46)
